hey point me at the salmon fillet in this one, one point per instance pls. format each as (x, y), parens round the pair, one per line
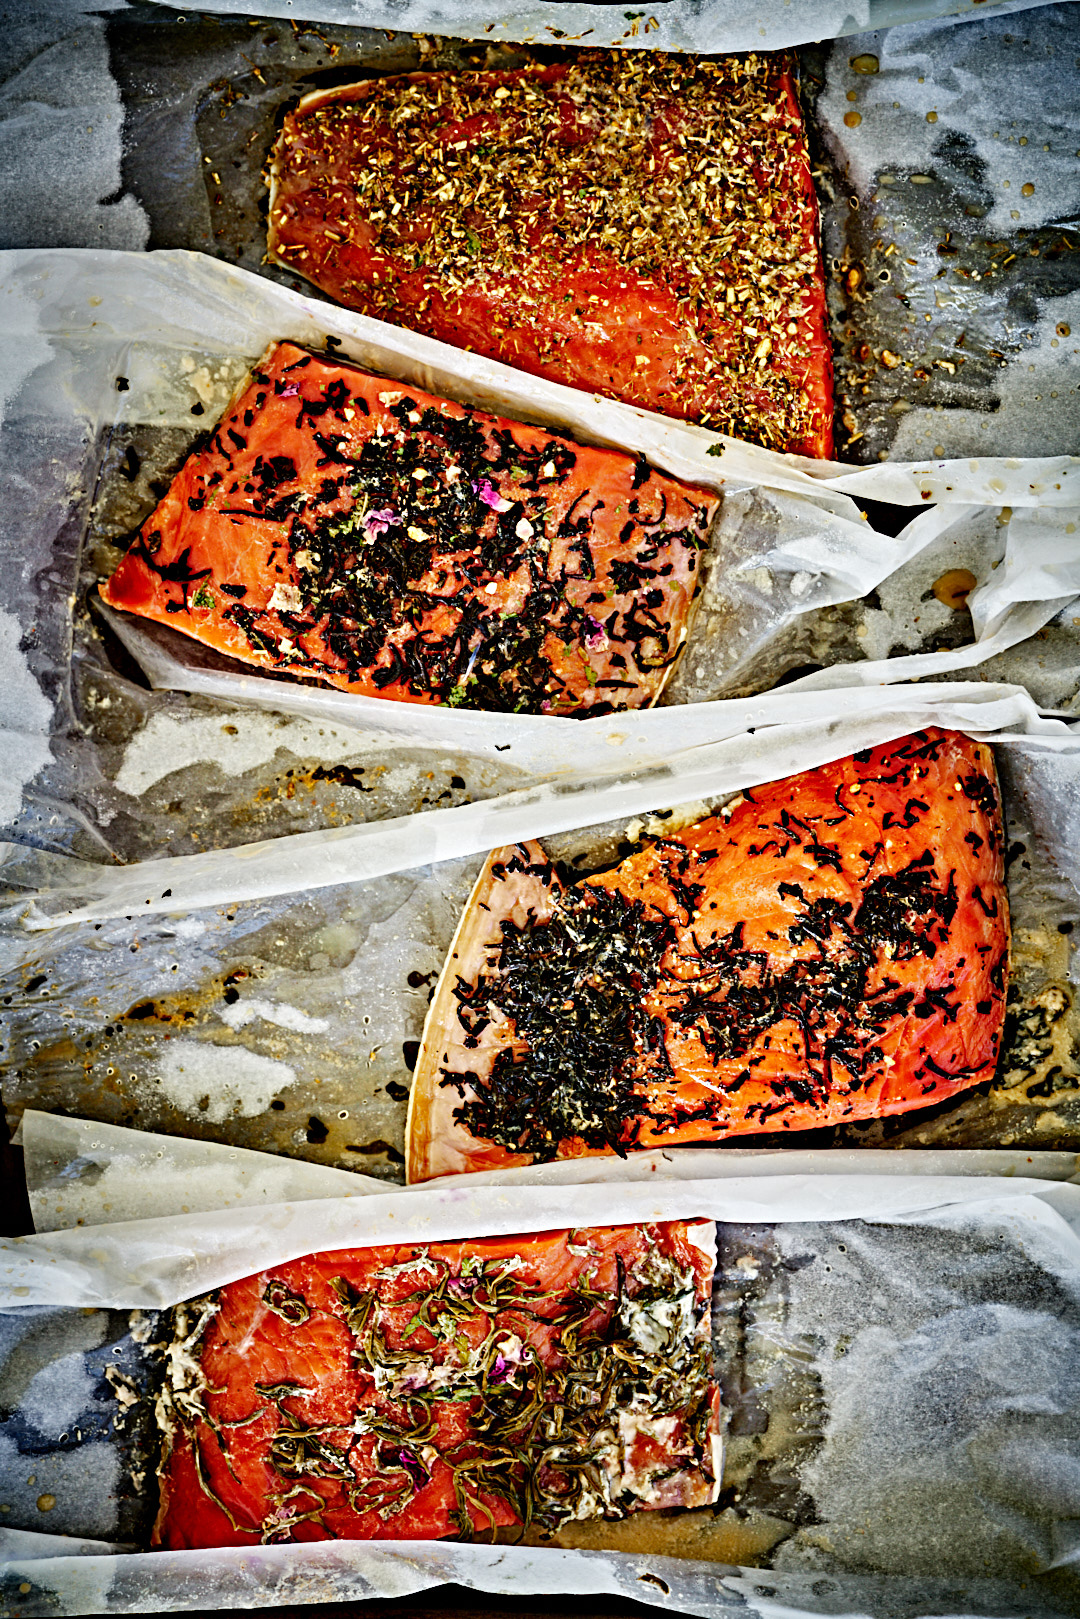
(414, 1393)
(342, 527)
(829, 947)
(636, 224)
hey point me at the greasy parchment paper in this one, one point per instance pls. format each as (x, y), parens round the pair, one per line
(273, 997)
(853, 1315)
(108, 355)
(672, 25)
(721, 748)
(950, 193)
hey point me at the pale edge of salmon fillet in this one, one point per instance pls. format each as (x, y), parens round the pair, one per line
(431, 1132)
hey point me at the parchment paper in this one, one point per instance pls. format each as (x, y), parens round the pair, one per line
(950, 196)
(97, 418)
(672, 25)
(677, 760)
(274, 999)
(83, 1172)
(852, 1317)
(80, 1172)
(150, 1264)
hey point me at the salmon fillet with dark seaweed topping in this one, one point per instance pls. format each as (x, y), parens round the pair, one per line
(827, 948)
(633, 223)
(455, 1389)
(341, 527)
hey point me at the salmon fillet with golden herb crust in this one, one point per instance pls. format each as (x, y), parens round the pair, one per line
(338, 526)
(454, 1389)
(830, 947)
(637, 224)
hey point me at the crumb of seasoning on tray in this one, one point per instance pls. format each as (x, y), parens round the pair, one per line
(638, 224)
(340, 526)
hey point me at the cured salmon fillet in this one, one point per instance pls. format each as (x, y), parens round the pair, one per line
(339, 526)
(414, 1393)
(633, 223)
(829, 947)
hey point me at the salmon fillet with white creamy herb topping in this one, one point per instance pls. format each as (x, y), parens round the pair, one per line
(455, 1389)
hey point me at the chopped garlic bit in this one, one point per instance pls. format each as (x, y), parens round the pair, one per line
(286, 599)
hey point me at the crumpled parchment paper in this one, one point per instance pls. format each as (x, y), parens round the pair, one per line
(107, 356)
(853, 1315)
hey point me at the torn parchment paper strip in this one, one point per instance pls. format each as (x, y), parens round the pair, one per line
(766, 738)
(80, 1172)
(335, 1571)
(667, 25)
(151, 1264)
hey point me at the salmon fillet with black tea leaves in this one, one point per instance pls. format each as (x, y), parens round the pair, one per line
(456, 1389)
(829, 947)
(341, 527)
(633, 223)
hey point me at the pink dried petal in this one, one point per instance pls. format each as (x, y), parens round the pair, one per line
(491, 496)
(378, 522)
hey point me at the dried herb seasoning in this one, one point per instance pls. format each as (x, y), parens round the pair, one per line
(635, 223)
